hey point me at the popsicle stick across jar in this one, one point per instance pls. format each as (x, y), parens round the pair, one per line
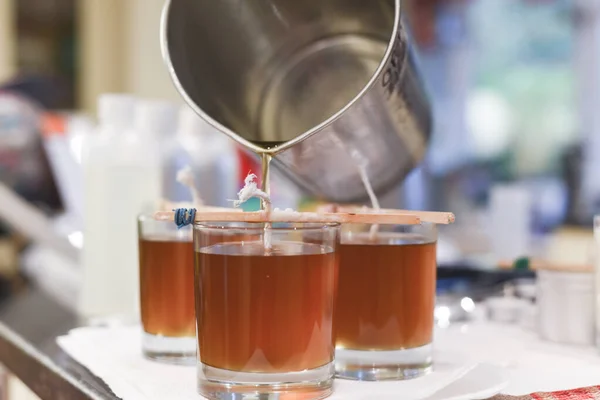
(358, 217)
(436, 217)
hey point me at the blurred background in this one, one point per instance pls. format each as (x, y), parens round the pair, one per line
(515, 86)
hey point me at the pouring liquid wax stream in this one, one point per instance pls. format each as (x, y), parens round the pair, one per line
(266, 187)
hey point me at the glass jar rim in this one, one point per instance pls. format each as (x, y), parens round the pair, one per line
(253, 226)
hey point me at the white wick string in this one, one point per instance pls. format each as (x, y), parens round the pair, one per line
(250, 190)
(185, 176)
(362, 164)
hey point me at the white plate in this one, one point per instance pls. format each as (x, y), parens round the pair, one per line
(482, 382)
(449, 382)
(113, 355)
(449, 368)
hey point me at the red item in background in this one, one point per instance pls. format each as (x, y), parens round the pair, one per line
(247, 163)
(52, 124)
(422, 16)
(589, 393)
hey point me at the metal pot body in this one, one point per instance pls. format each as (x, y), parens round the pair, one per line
(325, 86)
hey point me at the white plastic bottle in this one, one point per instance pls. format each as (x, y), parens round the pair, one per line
(79, 128)
(122, 177)
(212, 157)
(156, 119)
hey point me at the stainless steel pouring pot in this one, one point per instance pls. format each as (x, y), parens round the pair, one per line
(312, 81)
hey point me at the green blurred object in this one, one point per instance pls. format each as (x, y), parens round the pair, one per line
(521, 264)
(252, 204)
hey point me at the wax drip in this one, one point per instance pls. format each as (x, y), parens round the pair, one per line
(249, 191)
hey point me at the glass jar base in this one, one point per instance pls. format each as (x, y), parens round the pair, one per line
(169, 350)
(220, 384)
(371, 365)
